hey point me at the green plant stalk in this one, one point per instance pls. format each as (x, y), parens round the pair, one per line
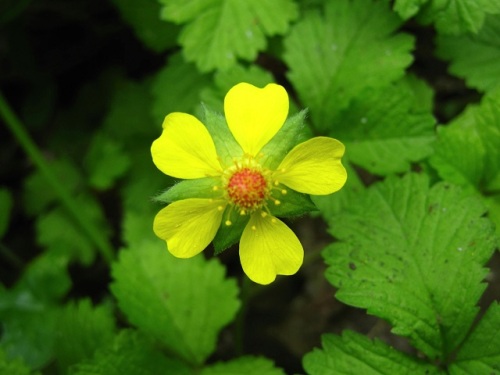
(22, 136)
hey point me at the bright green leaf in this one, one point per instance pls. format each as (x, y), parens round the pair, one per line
(81, 330)
(458, 16)
(353, 353)
(243, 366)
(396, 242)
(130, 353)
(467, 151)
(5, 208)
(385, 130)
(480, 354)
(183, 303)
(144, 17)
(336, 54)
(218, 32)
(408, 8)
(474, 57)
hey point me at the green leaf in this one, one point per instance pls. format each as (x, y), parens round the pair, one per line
(228, 235)
(130, 353)
(474, 57)
(385, 130)
(353, 353)
(408, 8)
(176, 88)
(480, 354)
(105, 161)
(243, 366)
(144, 17)
(57, 229)
(334, 55)
(467, 151)
(458, 16)
(5, 208)
(38, 194)
(182, 303)
(218, 32)
(13, 367)
(81, 330)
(395, 244)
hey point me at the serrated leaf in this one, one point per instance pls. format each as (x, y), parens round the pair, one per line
(458, 16)
(13, 367)
(474, 57)
(130, 353)
(144, 17)
(243, 366)
(385, 130)
(81, 330)
(408, 8)
(221, 31)
(105, 161)
(182, 303)
(396, 243)
(5, 208)
(176, 88)
(336, 54)
(353, 353)
(480, 354)
(467, 151)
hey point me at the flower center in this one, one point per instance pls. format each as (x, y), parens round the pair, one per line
(247, 188)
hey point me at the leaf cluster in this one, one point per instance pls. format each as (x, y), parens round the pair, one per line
(87, 289)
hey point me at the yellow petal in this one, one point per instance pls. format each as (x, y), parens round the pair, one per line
(313, 167)
(269, 248)
(189, 225)
(185, 148)
(255, 115)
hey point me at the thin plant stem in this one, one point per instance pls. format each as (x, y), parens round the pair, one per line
(66, 199)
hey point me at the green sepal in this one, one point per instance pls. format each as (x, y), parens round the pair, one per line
(291, 133)
(226, 145)
(197, 188)
(291, 204)
(228, 235)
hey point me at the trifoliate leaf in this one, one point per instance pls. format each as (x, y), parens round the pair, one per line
(458, 16)
(144, 17)
(5, 208)
(176, 88)
(353, 353)
(14, 366)
(243, 366)
(81, 330)
(467, 151)
(105, 161)
(385, 130)
(182, 303)
(474, 57)
(130, 353)
(480, 353)
(396, 242)
(218, 32)
(336, 54)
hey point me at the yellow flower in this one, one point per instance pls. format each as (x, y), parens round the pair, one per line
(247, 186)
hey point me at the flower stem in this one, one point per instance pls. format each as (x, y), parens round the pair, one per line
(66, 199)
